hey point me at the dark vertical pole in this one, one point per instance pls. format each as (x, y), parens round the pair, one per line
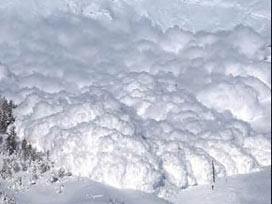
(213, 173)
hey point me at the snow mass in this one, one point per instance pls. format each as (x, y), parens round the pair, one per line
(141, 95)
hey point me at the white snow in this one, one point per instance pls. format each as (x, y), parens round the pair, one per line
(250, 189)
(119, 94)
(83, 191)
(254, 188)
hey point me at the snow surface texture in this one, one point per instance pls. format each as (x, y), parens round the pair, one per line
(118, 95)
(84, 191)
(254, 188)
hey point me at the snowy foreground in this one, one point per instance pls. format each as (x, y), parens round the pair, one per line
(253, 188)
(141, 95)
(242, 189)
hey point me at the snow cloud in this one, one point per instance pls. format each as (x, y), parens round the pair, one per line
(113, 92)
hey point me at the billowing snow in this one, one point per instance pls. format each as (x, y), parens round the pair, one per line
(117, 94)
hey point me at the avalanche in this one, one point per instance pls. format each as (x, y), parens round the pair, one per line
(113, 90)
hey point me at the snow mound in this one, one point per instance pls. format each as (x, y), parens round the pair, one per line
(115, 97)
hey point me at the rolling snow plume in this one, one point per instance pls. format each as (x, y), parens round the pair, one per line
(114, 89)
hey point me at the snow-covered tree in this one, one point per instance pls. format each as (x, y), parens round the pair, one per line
(6, 116)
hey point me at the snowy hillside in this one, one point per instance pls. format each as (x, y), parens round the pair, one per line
(242, 189)
(141, 95)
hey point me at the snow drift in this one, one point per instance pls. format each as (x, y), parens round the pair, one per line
(113, 91)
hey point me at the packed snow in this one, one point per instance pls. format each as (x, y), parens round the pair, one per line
(254, 188)
(115, 89)
(240, 189)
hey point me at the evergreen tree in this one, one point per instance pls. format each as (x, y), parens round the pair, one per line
(10, 143)
(6, 116)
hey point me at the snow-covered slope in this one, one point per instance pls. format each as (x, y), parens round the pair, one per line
(83, 191)
(112, 90)
(254, 188)
(241, 189)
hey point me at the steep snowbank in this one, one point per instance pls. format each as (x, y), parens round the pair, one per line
(112, 96)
